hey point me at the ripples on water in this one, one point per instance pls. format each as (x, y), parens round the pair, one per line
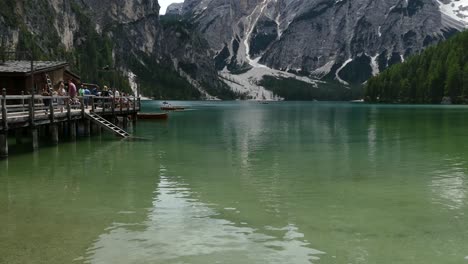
(180, 228)
(248, 183)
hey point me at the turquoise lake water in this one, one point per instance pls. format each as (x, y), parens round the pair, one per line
(242, 182)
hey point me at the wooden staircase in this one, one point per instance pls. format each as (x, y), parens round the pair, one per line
(49, 83)
(107, 125)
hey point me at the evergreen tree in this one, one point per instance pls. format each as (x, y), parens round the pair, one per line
(453, 81)
(439, 71)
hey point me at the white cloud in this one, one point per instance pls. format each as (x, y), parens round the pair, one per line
(165, 3)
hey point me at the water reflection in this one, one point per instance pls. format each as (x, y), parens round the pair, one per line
(248, 184)
(449, 184)
(181, 228)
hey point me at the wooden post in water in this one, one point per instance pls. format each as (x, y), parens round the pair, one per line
(95, 129)
(54, 133)
(82, 107)
(120, 103)
(125, 122)
(35, 138)
(4, 131)
(113, 108)
(4, 111)
(93, 108)
(22, 101)
(33, 129)
(31, 110)
(19, 136)
(51, 110)
(134, 114)
(72, 130)
(3, 144)
(68, 110)
(87, 127)
(32, 106)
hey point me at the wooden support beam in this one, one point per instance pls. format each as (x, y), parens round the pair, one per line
(95, 129)
(93, 107)
(4, 111)
(125, 122)
(113, 108)
(72, 130)
(134, 119)
(54, 133)
(120, 103)
(68, 111)
(82, 107)
(87, 127)
(19, 136)
(51, 110)
(22, 102)
(32, 109)
(3, 144)
(35, 138)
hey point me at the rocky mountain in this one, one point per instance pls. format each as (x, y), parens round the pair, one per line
(230, 48)
(348, 41)
(175, 9)
(169, 60)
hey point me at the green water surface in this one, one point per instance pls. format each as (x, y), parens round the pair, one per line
(248, 183)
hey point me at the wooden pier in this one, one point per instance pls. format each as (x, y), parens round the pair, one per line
(31, 113)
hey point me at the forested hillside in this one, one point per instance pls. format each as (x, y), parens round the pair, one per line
(169, 60)
(440, 73)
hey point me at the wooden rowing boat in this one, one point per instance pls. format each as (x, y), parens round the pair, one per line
(148, 116)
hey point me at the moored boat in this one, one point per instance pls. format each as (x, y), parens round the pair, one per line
(147, 116)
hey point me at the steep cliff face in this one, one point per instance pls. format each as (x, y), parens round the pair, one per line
(346, 40)
(128, 34)
(204, 46)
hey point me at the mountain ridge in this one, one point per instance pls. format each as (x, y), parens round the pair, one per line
(299, 38)
(223, 49)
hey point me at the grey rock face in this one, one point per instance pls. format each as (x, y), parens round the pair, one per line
(175, 9)
(133, 26)
(318, 37)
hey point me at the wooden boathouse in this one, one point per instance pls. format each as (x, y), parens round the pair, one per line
(26, 113)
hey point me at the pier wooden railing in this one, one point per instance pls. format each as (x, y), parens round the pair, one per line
(38, 108)
(115, 105)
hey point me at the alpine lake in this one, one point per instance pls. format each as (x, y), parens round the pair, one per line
(244, 182)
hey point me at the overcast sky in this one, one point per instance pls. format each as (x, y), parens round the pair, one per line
(165, 3)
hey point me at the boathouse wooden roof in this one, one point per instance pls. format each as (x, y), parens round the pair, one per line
(23, 68)
(72, 74)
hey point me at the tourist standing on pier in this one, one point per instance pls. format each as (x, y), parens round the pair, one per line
(72, 91)
(86, 95)
(105, 91)
(71, 88)
(61, 92)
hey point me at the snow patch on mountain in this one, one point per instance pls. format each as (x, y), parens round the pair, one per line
(248, 83)
(253, 20)
(375, 65)
(324, 70)
(337, 74)
(456, 10)
(132, 80)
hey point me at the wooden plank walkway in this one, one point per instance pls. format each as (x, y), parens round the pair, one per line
(48, 113)
(18, 111)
